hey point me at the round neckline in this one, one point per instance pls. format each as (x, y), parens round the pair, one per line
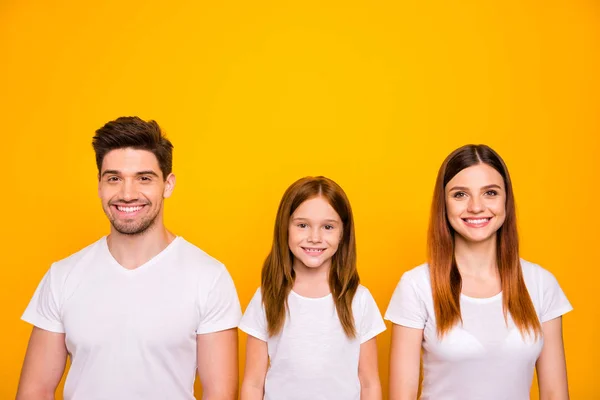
(481, 299)
(310, 298)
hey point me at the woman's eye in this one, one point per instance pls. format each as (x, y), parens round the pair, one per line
(459, 195)
(491, 193)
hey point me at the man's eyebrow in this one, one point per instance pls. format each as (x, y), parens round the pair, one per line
(116, 172)
(148, 172)
(111, 172)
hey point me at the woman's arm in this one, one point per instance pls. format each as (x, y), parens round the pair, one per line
(405, 362)
(551, 366)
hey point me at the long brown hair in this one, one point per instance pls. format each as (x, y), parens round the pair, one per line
(446, 282)
(277, 277)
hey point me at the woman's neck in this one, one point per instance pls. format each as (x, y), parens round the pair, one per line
(477, 259)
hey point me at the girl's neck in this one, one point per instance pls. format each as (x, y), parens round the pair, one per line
(311, 282)
(476, 259)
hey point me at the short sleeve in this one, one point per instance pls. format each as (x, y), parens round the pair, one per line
(406, 308)
(554, 301)
(254, 321)
(221, 310)
(371, 323)
(43, 310)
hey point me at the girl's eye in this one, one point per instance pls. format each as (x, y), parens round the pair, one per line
(302, 225)
(329, 227)
(458, 195)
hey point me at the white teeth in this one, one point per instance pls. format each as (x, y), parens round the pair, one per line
(313, 250)
(129, 209)
(477, 221)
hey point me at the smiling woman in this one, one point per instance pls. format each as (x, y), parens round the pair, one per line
(478, 311)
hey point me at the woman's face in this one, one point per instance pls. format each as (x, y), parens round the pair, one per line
(476, 203)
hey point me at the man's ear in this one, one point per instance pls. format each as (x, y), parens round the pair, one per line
(169, 185)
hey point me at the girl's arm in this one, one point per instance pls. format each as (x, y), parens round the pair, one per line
(551, 366)
(257, 362)
(368, 371)
(405, 361)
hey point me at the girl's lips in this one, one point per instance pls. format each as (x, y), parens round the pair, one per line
(313, 252)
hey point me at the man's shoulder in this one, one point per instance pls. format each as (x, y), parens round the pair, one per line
(87, 253)
(195, 258)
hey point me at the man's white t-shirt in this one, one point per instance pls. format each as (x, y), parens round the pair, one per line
(131, 334)
(482, 359)
(312, 358)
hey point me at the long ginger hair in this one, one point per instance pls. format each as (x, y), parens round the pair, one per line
(446, 282)
(277, 277)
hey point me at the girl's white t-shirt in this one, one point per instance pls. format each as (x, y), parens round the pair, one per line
(312, 358)
(484, 358)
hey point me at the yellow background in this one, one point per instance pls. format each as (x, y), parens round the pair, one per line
(255, 94)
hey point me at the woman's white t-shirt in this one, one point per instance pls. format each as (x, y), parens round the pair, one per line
(482, 359)
(312, 358)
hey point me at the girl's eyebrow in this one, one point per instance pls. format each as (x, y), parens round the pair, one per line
(308, 219)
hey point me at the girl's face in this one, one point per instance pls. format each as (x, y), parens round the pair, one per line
(475, 203)
(314, 234)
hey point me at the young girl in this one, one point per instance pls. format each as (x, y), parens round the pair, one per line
(483, 317)
(311, 326)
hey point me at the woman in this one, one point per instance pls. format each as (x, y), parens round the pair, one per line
(483, 317)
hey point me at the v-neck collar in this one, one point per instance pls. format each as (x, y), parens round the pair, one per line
(144, 266)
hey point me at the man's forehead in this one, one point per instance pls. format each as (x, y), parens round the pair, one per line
(130, 160)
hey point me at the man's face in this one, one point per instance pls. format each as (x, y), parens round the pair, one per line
(132, 188)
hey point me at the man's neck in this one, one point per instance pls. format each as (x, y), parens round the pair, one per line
(132, 251)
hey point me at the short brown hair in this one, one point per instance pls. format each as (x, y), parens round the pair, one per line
(135, 133)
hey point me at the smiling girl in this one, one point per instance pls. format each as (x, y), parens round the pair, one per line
(311, 326)
(483, 317)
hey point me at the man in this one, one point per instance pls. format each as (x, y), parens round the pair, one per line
(141, 309)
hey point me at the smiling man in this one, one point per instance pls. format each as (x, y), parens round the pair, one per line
(141, 310)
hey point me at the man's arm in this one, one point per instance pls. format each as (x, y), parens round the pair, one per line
(218, 364)
(44, 365)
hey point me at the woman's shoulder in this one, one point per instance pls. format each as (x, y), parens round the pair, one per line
(418, 276)
(535, 272)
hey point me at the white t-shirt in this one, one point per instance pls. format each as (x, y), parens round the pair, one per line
(131, 334)
(312, 358)
(483, 359)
